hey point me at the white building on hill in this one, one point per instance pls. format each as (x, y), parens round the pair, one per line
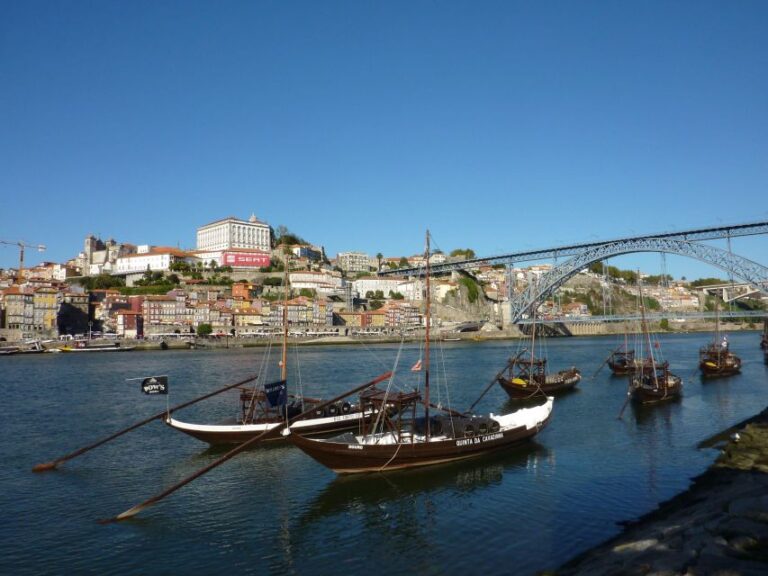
(235, 242)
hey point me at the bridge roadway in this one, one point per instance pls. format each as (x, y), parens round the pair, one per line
(651, 317)
(693, 235)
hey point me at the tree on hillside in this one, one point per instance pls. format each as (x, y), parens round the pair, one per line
(465, 253)
(379, 257)
(706, 282)
(287, 238)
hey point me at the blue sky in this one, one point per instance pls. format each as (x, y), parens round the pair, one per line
(501, 126)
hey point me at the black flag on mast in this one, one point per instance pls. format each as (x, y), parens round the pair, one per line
(277, 393)
(155, 385)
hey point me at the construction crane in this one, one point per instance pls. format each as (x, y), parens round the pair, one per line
(22, 245)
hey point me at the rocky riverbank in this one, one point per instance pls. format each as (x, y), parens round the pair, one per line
(719, 526)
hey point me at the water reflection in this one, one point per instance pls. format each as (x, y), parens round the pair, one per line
(369, 492)
(651, 413)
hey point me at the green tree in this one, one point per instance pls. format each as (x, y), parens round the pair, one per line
(204, 329)
(465, 253)
(473, 291)
(379, 257)
(706, 282)
(403, 262)
(396, 295)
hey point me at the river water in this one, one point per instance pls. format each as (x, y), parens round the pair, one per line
(275, 511)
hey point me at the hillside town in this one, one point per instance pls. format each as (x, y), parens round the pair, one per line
(232, 284)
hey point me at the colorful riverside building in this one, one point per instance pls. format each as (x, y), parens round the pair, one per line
(19, 311)
(45, 305)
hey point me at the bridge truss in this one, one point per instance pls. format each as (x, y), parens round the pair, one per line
(747, 270)
(693, 235)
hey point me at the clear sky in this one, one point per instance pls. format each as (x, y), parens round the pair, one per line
(501, 126)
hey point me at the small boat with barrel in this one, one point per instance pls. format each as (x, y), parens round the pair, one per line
(716, 358)
(651, 381)
(526, 377)
(622, 362)
(268, 408)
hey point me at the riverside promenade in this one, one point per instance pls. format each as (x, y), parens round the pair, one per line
(719, 526)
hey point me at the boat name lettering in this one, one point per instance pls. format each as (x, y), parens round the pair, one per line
(479, 439)
(354, 446)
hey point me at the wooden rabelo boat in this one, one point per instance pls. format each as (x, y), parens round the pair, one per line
(267, 407)
(399, 437)
(651, 382)
(716, 358)
(526, 378)
(258, 415)
(622, 362)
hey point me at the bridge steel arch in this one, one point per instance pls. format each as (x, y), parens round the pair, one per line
(747, 270)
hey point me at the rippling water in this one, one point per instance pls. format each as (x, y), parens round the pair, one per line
(275, 511)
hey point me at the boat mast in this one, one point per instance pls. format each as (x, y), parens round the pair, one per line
(284, 356)
(647, 333)
(533, 346)
(718, 344)
(426, 345)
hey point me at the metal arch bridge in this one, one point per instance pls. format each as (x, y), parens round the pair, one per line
(684, 243)
(747, 270)
(694, 235)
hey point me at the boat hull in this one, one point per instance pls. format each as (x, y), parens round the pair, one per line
(646, 394)
(621, 369)
(234, 433)
(97, 349)
(724, 367)
(359, 457)
(556, 384)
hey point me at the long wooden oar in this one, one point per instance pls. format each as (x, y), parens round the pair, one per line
(629, 397)
(44, 467)
(495, 378)
(234, 452)
(601, 365)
